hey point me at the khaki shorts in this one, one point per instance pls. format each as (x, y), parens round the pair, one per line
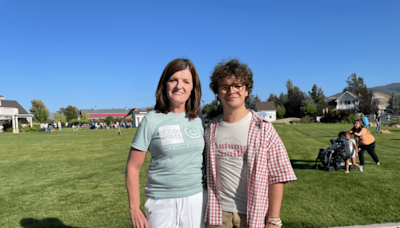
(231, 220)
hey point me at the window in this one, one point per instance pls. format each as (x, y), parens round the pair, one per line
(347, 102)
(341, 102)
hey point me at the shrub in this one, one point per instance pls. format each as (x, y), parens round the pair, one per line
(338, 116)
(280, 111)
(9, 129)
(353, 118)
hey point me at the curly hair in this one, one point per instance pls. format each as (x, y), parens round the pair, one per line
(229, 68)
(192, 105)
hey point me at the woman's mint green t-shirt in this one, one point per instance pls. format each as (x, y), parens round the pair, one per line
(176, 145)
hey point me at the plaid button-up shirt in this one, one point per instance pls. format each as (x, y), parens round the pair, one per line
(268, 163)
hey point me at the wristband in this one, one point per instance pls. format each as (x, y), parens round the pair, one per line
(274, 222)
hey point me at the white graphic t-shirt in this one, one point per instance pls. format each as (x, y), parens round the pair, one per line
(231, 163)
(349, 148)
(176, 146)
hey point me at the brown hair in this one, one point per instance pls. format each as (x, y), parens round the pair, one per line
(229, 68)
(192, 106)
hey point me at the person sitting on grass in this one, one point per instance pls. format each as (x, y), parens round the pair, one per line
(351, 151)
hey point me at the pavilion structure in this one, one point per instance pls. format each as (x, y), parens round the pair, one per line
(12, 111)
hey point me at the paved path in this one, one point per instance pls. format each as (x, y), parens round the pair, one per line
(381, 225)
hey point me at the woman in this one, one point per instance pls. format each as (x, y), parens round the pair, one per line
(174, 136)
(365, 141)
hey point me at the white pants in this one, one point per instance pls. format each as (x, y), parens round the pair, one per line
(187, 212)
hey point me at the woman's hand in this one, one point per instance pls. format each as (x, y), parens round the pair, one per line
(139, 220)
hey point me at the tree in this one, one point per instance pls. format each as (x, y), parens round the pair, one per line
(289, 87)
(71, 112)
(282, 99)
(250, 102)
(280, 111)
(366, 104)
(316, 94)
(308, 108)
(295, 99)
(109, 119)
(320, 107)
(85, 118)
(394, 105)
(354, 84)
(212, 110)
(39, 110)
(59, 117)
(274, 98)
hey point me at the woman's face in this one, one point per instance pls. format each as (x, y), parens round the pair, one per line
(179, 88)
(357, 124)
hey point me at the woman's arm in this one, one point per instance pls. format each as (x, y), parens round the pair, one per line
(134, 163)
(362, 132)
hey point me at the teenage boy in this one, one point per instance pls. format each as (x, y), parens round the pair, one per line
(247, 163)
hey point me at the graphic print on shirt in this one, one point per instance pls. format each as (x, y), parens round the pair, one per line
(230, 148)
(180, 136)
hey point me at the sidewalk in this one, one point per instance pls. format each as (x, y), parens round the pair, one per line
(381, 225)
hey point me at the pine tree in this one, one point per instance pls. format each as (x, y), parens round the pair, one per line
(355, 84)
(366, 104)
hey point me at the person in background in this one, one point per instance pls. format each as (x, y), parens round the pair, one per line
(378, 123)
(351, 149)
(59, 125)
(365, 121)
(365, 140)
(50, 128)
(173, 134)
(247, 163)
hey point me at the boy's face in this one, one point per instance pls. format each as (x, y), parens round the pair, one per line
(347, 136)
(232, 92)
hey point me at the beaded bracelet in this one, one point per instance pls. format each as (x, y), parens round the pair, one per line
(272, 221)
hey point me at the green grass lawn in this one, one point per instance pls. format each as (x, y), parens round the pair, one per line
(76, 179)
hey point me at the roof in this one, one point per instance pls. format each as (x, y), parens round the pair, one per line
(13, 104)
(266, 105)
(1, 97)
(348, 92)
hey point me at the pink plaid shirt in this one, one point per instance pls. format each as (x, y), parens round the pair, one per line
(268, 163)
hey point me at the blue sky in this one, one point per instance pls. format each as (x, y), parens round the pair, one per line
(110, 54)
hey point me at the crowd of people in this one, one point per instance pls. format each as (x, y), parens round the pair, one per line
(50, 127)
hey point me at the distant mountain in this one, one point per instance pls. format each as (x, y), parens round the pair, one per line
(387, 89)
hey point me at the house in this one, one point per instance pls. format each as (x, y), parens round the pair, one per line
(136, 116)
(134, 113)
(12, 112)
(346, 100)
(267, 110)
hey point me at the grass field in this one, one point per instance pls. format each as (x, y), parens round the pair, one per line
(76, 179)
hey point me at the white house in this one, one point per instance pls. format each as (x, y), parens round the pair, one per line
(346, 101)
(12, 112)
(266, 109)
